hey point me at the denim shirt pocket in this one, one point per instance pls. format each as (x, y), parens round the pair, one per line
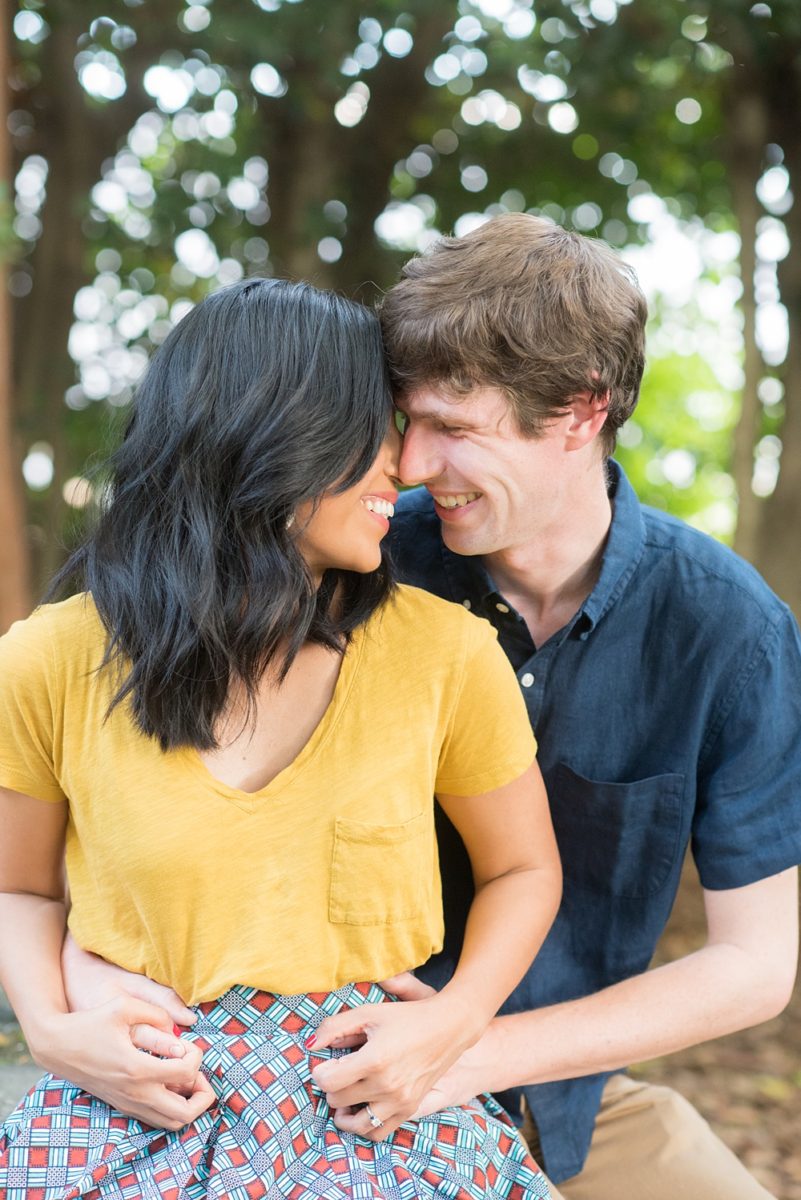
(619, 839)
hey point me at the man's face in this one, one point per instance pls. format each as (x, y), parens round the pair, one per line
(494, 488)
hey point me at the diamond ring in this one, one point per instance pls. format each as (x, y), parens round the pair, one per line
(373, 1119)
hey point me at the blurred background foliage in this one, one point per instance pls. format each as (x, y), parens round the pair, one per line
(155, 150)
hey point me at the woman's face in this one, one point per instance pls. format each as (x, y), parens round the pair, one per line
(344, 530)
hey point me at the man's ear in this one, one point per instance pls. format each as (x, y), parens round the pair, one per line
(590, 410)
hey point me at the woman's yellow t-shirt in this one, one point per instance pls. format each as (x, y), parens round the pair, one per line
(327, 875)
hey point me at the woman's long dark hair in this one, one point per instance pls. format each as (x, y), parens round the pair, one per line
(267, 394)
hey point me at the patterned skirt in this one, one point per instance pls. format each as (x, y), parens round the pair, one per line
(270, 1134)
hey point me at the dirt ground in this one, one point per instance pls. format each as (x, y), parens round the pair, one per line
(748, 1085)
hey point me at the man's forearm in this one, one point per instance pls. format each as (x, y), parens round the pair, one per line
(697, 998)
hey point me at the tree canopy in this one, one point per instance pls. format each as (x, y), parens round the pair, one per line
(161, 149)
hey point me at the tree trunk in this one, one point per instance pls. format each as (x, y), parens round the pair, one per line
(745, 114)
(385, 137)
(301, 181)
(314, 159)
(14, 575)
(777, 552)
(75, 136)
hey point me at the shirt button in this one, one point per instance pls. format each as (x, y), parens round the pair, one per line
(504, 608)
(527, 679)
(467, 604)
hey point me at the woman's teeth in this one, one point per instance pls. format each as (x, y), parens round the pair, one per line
(457, 501)
(383, 507)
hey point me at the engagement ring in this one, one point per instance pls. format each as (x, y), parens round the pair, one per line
(374, 1121)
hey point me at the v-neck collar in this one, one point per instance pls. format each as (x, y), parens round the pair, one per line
(274, 789)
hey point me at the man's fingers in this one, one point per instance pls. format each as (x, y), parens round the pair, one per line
(164, 997)
(156, 1041)
(350, 1120)
(407, 987)
(175, 1073)
(433, 1102)
(140, 1012)
(198, 1102)
(351, 1099)
(194, 1081)
(182, 1072)
(349, 1041)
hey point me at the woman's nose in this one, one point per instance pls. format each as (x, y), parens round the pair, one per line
(392, 453)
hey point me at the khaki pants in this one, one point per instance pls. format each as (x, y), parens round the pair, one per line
(651, 1144)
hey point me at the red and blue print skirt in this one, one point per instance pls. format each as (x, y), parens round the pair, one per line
(270, 1134)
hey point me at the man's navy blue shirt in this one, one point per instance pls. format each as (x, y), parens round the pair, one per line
(667, 712)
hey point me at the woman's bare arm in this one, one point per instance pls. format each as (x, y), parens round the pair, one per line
(92, 1049)
(518, 885)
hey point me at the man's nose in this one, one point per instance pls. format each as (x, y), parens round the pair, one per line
(417, 460)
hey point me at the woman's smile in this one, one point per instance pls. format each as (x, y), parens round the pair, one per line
(381, 506)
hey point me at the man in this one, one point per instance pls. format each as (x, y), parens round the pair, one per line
(663, 680)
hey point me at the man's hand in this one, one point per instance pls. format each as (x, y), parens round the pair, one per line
(407, 986)
(459, 1085)
(96, 1051)
(90, 981)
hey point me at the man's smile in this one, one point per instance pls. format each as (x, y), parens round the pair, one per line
(454, 499)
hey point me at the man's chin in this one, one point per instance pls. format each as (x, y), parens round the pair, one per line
(465, 542)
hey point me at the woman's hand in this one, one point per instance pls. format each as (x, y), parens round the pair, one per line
(89, 981)
(96, 1050)
(469, 1075)
(405, 1049)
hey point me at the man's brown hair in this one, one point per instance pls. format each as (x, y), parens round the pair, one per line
(522, 305)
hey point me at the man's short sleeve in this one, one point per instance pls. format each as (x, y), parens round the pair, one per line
(748, 818)
(28, 711)
(489, 741)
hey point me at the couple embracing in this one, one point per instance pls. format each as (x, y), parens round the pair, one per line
(234, 732)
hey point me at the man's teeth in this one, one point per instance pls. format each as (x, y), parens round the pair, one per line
(383, 507)
(457, 501)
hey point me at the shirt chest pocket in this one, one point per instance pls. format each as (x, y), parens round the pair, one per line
(622, 839)
(381, 874)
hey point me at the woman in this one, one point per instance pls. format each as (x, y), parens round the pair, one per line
(235, 731)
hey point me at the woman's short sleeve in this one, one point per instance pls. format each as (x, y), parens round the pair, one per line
(490, 741)
(28, 710)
